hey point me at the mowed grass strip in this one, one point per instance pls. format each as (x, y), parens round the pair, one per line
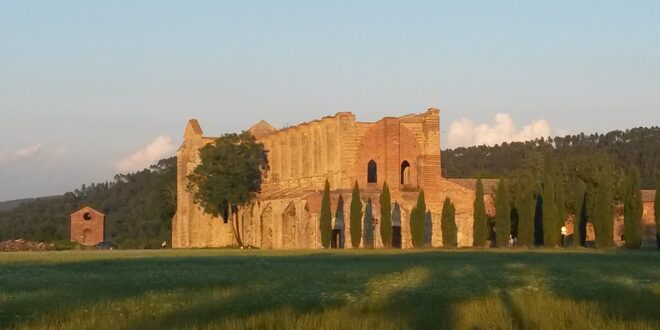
(378, 289)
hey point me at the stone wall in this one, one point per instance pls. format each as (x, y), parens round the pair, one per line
(338, 149)
(301, 158)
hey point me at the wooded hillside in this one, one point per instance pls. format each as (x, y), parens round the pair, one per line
(138, 207)
(637, 147)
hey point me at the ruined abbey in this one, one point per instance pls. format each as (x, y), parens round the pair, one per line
(402, 151)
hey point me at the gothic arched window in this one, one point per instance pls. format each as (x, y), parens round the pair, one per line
(372, 172)
(405, 172)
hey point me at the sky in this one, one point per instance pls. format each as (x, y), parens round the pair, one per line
(89, 89)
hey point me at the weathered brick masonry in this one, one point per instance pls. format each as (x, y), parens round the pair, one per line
(404, 151)
(87, 226)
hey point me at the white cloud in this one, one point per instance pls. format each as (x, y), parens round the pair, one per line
(24, 153)
(158, 149)
(464, 132)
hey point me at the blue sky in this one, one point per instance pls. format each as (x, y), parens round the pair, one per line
(87, 86)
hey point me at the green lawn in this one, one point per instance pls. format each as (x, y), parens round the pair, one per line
(378, 289)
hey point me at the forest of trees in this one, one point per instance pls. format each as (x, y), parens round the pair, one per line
(637, 147)
(138, 207)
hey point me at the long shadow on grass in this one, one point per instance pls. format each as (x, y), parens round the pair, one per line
(314, 282)
(620, 283)
(34, 290)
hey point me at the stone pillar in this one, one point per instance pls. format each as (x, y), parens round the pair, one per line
(305, 154)
(284, 158)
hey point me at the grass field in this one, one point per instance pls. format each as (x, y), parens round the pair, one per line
(343, 290)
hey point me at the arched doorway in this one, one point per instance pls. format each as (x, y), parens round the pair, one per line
(87, 235)
(372, 172)
(289, 227)
(396, 227)
(267, 228)
(405, 172)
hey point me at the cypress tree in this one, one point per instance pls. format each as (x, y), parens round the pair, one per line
(560, 200)
(417, 221)
(356, 216)
(550, 233)
(632, 210)
(339, 220)
(580, 211)
(480, 223)
(538, 215)
(448, 224)
(502, 215)
(452, 223)
(368, 226)
(526, 205)
(326, 217)
(385, 216)
(428, 229)
(396, 222)
(603, 212)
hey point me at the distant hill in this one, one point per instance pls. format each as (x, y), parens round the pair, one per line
(639, 147)
(138, 207)
(12, 204)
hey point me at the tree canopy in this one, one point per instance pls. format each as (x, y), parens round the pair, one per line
(448, 224)
(417, 217)
(228, 176)
(632, 210)
(637, 147)
(325, 223)
(480, 224)
(138, 206)
(356, 216)
(502, 215)
(385, 216)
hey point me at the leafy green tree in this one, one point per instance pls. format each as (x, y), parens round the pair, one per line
(480, 223)
(550, 218)
(339, 221)
(417, 221)
(356, 216)
(448, 224)
(228, 176)
(368, 226)
(526, 205)
(580, 211)
(326, 217)
(385, 216)
(633, 209)
(502, 215)
(635, 147)
(603, 214)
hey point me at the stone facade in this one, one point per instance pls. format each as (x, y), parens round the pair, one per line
(402, 151)
(87, 226)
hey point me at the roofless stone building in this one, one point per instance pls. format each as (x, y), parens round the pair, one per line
(402, 151)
